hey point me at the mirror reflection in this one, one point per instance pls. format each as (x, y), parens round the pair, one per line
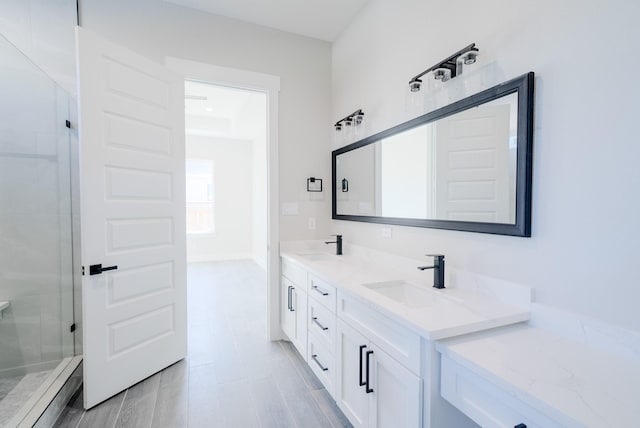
(460, 167)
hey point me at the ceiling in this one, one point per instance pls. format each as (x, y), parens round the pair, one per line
(320, 19)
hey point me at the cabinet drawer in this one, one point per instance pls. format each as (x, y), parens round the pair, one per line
(396, 340)
(295, 273)
(322, 323)
(487, 404)
(323, 293)
(322, 363)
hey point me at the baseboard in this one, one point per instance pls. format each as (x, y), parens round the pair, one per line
(218, 257)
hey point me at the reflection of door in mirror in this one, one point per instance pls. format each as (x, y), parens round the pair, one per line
(472, 166)
(357, 167)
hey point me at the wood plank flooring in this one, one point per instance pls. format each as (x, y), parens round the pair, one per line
(232, 377)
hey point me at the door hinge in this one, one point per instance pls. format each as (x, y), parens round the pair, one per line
(82, 270)
(72, 328)
(67, 123)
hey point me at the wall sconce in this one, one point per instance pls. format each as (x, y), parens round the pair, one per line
(448, 68)
(314, 184)
(354, 118)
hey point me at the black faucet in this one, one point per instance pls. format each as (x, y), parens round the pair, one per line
(338, 243)
(438, 270)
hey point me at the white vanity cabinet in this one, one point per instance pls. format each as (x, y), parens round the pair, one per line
(373, 389)
(293, 308)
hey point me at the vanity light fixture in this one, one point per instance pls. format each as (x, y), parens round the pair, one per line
(354, 118)
(448, 68)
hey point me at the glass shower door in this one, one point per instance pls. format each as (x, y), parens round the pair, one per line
(36, 281)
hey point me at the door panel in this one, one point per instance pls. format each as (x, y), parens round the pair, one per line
(132, 216)
(396, 398)
(472, 173)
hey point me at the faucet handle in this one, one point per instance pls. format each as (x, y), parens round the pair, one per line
(337, 236)
(435, 255)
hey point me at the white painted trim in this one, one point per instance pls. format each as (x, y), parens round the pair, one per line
(269, 84)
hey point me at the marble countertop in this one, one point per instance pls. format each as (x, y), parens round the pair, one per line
(575, 384)
(450, 312)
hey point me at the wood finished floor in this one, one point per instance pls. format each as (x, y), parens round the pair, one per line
(232, 377)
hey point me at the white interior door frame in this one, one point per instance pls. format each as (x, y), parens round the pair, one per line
(270, 85)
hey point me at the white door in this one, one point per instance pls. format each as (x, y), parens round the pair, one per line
(396, 398)
(351, 396)
(472, 166)
(132, 216)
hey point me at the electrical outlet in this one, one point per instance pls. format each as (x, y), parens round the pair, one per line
(311, 223)
(385, 232)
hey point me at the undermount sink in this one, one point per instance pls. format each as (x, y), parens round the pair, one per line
(317, 257)
(403, 292)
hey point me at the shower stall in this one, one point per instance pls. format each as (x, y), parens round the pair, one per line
(36, 234)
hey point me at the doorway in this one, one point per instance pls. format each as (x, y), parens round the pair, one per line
(269, 85)
(226, 173)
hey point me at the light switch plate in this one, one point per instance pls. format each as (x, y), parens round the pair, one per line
(289, 208)
(385, 232)
(312, 223)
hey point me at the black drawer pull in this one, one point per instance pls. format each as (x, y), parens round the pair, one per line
(520, 426)
(315, 358)
(315, 320)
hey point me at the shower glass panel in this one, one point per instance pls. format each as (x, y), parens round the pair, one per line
(35, 231)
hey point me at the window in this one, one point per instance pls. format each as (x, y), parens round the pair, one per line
(200, 212)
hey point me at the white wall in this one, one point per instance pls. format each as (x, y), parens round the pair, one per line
(44, 30)
(583, 252)
(254, 117)
(157, 29)
(233, 199)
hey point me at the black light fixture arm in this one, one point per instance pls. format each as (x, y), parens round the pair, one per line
(449, 62)
(350, 117)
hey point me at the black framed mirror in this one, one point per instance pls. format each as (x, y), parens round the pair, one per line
(466, 166)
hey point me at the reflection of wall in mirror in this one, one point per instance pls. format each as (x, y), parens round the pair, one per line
(404, 163)
(472, 158)
(357, 166)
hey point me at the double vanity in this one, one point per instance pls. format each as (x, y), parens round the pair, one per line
(395, 352)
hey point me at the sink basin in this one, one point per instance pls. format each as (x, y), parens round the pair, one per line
(403, 292)
(317, 257)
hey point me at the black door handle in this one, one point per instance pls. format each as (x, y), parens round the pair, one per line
(98, 269)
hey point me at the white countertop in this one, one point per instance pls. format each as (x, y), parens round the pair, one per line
(3, 305)
(451, 312)
(573, 383)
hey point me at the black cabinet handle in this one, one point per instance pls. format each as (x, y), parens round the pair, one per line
(520, 426)
(98, 269)
(369, 390)
(315, 358)
(315, 321)
(362, 383)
